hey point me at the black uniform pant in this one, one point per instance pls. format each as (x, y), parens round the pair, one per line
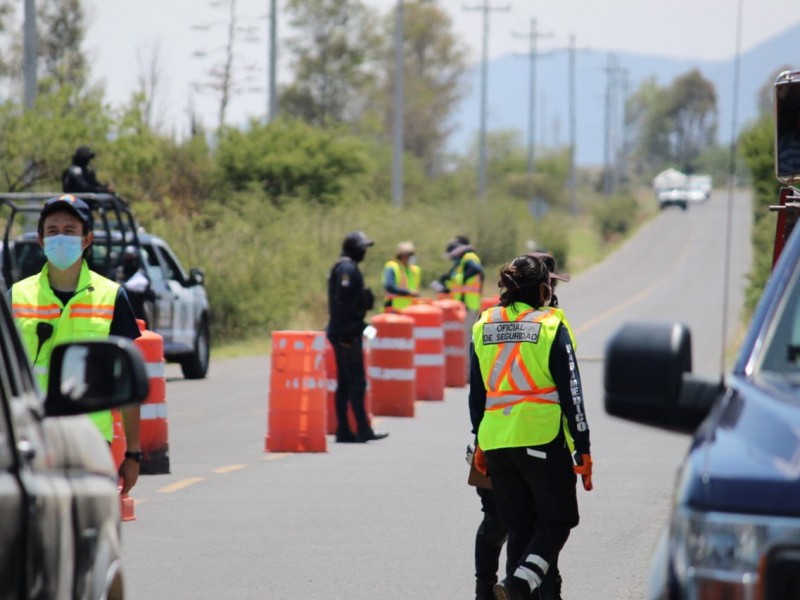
(534, 488)
(351, 384)
(489, 540)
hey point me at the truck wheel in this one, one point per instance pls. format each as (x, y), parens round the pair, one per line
(195, 366)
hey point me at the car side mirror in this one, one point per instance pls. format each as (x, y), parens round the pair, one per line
(197, 276)
(787, 126)
(648, 377)
(95, 375)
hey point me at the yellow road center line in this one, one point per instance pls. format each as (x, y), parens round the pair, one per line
(273, 456)
(230, 468)
(179, 485)
(637, 298)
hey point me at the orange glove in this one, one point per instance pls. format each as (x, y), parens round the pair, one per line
(480, 461)
(584, 469)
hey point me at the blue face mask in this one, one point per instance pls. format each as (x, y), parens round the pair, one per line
(63, 250)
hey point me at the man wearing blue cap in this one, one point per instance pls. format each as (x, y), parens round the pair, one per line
(67, 302)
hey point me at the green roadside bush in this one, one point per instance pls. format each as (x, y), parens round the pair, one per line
(615, 216)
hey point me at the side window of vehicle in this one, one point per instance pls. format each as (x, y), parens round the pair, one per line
(174, 270)
(783, 341)
(153, 267)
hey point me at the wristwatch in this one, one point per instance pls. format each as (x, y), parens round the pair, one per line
(137, 455)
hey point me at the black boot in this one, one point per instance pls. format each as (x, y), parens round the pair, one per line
(513, 588)
(367, 434)
(551, 586)
(483, 589)
(345, 436)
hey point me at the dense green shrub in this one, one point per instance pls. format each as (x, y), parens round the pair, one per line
(615, 216)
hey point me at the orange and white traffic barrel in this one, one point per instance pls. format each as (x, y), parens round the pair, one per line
(154, 428)
(428, 350)
(455, 368)
(297, 393)
(331, 385)
(392, 376)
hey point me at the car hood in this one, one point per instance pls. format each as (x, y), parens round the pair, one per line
(745, 458)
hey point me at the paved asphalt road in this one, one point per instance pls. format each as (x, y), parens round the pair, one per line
(395, 519)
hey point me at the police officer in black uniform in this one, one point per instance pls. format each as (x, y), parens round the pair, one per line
(348, 303)
(79, 177)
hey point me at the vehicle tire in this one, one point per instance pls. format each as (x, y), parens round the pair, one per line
(195, 366)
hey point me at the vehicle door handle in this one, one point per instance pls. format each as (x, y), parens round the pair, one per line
(26, 450)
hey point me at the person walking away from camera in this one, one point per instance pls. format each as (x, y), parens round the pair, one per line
(527, 400)
(401, 278)
(80, 178)
(67, 302)
(133, 277)
(493, 531)
(348, 302)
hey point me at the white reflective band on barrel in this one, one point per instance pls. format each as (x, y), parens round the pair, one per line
(157, 410)
(332, 384)
(388, 343)
(391, 374)
(453, 350)
(492, 401)
(453, 326)
(155, 369)
(428, 360)
(428, 333)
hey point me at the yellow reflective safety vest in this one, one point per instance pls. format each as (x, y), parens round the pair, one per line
(469, 291)
(406, 277)
(86, 316)
(513, 348)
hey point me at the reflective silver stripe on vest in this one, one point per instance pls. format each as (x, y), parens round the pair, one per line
(387, 343)
(153, 411)
(428, 333)
(516, 373)
(517, 397)
(391, 374)
(91, 311)
(428, 360)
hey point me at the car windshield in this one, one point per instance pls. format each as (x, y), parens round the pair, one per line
(781, 351)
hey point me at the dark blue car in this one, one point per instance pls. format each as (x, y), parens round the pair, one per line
(734, 532)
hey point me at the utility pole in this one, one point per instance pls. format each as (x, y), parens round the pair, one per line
(30, 53)
(485, 8)
(613, 147)
(622, 167)
(272, 107)
(399, 107)
(573, 194)
(532, 54)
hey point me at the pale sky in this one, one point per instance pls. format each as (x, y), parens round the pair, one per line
(120, 29)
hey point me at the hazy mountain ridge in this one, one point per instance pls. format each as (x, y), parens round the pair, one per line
(508, 96)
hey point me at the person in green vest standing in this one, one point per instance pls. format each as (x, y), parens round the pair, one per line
(533, 437)
(401, 278)
(465, 283)
(67, 302)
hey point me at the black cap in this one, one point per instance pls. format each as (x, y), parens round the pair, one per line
(67, 203)
(357, 239)
(83, 152)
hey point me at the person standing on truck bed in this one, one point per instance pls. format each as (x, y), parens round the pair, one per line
(80, 178)
(68, 302)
